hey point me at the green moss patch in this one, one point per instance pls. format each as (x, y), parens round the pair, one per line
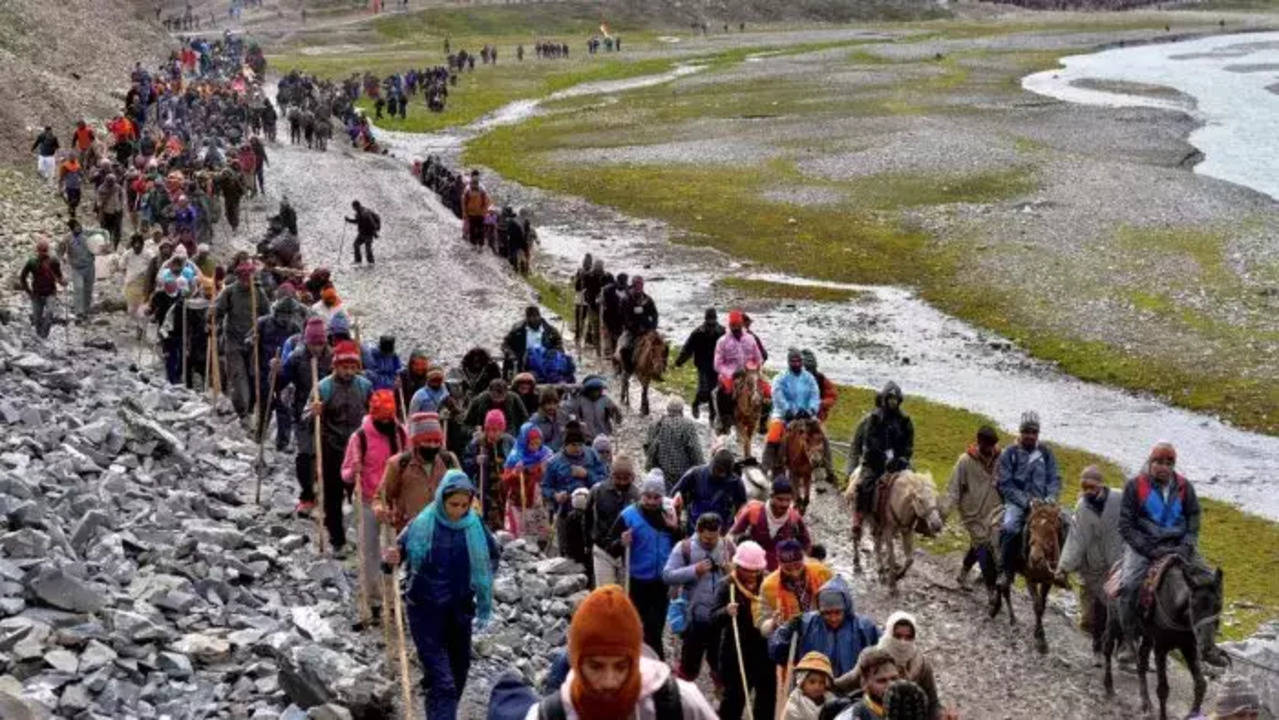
(786, 291)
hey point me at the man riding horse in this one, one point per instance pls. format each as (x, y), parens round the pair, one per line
(883, 442)
(639, 317)
(795, 397)
(1027, 471)
(735, 350)
(1159, 516)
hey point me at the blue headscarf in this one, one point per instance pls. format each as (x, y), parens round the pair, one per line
(421, 533)
(521, 454)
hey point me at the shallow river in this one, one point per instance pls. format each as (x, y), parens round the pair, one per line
(888, 333)
(1232, 80)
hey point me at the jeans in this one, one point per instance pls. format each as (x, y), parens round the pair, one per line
(334, 495)
(82, 285)
(41, 313)
(443, 640)
(651, 598)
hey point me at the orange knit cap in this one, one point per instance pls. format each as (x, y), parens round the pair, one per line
(606, 624)
(382, 405)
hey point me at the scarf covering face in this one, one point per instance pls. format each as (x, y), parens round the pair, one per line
(421, 534)
(905, 652)
(606, 624)
(799, 587)
(521, 453)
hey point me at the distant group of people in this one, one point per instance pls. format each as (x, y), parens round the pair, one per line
(503, 231)
(550, 50)
(609, 43)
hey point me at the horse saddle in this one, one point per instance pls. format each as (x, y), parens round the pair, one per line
(883, 496)
(1154, 575)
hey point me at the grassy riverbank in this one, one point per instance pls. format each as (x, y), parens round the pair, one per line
(921, 162)
(1239, 542)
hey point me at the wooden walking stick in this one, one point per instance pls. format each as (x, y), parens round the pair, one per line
(404, 658)
(270, 397)
(319, 456)
(186, 343)
(216, 372)
(366, 612)
(783, 693)
(257, 370)
(626, 568)
(737, 643)
(388, 603)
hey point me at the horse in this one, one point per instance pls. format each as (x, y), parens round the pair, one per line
(647, 362)
(747, 404)
(1185, 616)
(1037, 563)
(803, 450)
(910, 507)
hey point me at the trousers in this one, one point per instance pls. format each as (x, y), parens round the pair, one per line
(608, 569)
(651, 599)
(334, 494)
(443, 640)
(367, 242)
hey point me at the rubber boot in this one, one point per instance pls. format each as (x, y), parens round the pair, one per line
(1007, 553)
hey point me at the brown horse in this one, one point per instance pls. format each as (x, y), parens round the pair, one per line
(747, 404)
(803, 448)
(1037, 563)
(910, 507)
(647, 363)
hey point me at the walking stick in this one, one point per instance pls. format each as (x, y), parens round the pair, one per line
(215, 372)
(388, 589)
(787, 673)
(523, 503)
(186, 344)
(319, 456)
(737, 643)
(366, 613)
(626, 568)
(404, 658)
(257, 370)
(270, 395)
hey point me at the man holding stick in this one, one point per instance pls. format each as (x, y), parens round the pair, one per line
(339, 404)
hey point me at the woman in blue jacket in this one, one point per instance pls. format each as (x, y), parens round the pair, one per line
(451, 562)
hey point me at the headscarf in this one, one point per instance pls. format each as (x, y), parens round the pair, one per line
(421, 534)
(905, 652)
(520, 454)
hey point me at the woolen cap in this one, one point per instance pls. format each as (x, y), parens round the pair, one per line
(654, 483)
(314, 334)
(346, 352)
(495, 420)
(382, 405)
(814, 661)
(605, 624)
(750, 556)
(425, 426)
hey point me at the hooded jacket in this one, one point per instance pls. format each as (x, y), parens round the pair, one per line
(596, 415)
(559, 474)
(842, 645)
(444, 580)
(780, 604)
(794, 392)
(367, 459)
(885, 439)
(910, 659)
(732, 354)
(653, 675)
(703, 492)
(681, 572)
(381, 369)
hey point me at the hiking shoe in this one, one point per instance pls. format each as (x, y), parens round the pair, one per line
(303, 508)
(696, 413)
(962, 578)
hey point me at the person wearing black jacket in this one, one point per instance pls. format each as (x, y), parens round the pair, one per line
(607, 501)
(884, 441)
(367, 226)
(46, 147)
(639, 316)
(516, 343)
(700, 347)
(611, 297)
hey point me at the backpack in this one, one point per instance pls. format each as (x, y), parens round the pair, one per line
(666, 701)
(377, 221)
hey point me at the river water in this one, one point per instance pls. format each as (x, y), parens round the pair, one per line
(888, 333)
(1233, 81)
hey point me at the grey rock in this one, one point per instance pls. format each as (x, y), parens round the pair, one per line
(314, 675)
(505, 590)
(74, 698)
(96, 655)
(308, 621)
(569, 584)
(214, 533)
(62, 659)
(175, 665)
(204, 648)
(13, 706)
(55, 587)
(89, 522)
(557, 566)
(328, 711)
(25, 543)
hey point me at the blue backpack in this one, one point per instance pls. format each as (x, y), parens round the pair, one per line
(550, 366)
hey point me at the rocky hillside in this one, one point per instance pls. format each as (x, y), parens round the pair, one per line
(67, 59)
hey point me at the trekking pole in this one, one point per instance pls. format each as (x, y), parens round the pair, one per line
(257, 370)
(366, 613)
(737, 643)
(275, 372)
(787, 673)
(523, 503)
(319, 456)
(626, 562)
(216, 371)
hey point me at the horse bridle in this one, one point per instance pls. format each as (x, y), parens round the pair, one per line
(1194, 625)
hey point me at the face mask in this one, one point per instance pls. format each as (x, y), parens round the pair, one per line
(428, 453)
